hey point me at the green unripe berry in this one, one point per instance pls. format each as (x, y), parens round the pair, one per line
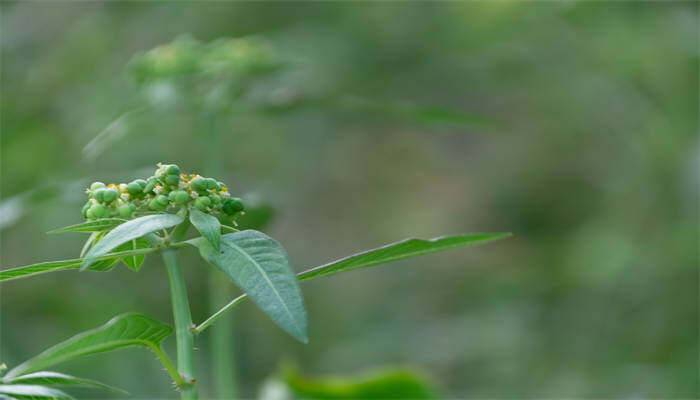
(140, 182)
(179, 197)
(109, 195)
(215, 198)
(233, 205)
(98, 194)
(98, 211)
(155, 205)
(162, 200)
(85, 208)
(97, 185)
(172, 180)
(172, 170)
(125, 211)
(150, 185)
(212, 184)
(134, 188)
(202, 202)
(198, 184)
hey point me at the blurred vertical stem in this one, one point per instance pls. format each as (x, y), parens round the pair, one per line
(222, 349)
(182, 316)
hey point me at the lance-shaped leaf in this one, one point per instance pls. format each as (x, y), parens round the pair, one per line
(134, 261)
(390, 252)
(208, 225)
(33, 392)
(128, 231)
(121, 331)
(102, 263)
(398, 251)
(259, 265)
(97, 225)
(50, 378)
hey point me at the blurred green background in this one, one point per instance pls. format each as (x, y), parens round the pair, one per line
(571, 124)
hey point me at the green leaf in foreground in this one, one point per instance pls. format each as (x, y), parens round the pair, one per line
(52, 266)
(134, 261)
(259, 265)
(390, 252)
(50, 378)
(91, 226)
(398, 251)
(33, 392)
(128, 231)
(208, 225)
(383, 384)
(121, 331)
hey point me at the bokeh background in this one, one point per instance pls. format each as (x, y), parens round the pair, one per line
(571, 124)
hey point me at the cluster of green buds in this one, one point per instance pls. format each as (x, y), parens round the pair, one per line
(167, 190)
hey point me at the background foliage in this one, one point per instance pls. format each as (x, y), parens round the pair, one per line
(583, 142)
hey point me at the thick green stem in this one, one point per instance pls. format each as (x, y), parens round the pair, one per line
(183, 321)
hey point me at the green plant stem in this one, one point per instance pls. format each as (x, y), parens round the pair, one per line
(222, 350)
(210, 321)
(183, 318)
(169, 367)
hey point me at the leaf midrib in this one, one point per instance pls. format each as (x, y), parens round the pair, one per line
(274, 289)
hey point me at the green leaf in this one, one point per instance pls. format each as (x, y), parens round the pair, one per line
(383, 384)
(259, 265)
(398, 251)
(33, 392)
(122, 331)
(134, 261)
(128, 231)
(50, 378)
(52, 266)
(91, 226)
(208, 225)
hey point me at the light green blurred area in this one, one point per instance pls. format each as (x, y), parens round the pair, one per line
(584, 144)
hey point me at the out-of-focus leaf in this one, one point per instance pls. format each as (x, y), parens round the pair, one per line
(423, 114)
(51, 266)
(259, 265)
(122, 331)
(385, 384)
(208, 225)
(50, 378)
(91, 226)
(131, 230)
(114, 132)
(398, 251)
(33, 392)
(257, 215)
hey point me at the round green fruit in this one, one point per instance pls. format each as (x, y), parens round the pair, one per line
(202, 202)
(172, 180)
(98, 211)
(198, 184)
(98, 194)
(172, 169)
(233, 205)
(125, 211)
(156, 206)
(212, 184)
(134, 188)
(97, 185)
(179, 197)
(150, 185)
(109, 195)
(162, 200)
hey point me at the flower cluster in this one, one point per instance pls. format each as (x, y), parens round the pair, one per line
(167, 190)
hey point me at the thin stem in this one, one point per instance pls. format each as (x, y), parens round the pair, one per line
(183, 318)
(204, 325)
(169, 367)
